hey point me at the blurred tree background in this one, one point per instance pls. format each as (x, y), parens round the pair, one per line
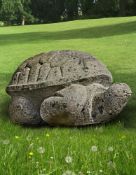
(21, 12)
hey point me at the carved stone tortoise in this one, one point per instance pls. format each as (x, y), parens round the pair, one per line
(65, 88)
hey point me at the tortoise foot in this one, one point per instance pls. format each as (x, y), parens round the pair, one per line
(65, 107)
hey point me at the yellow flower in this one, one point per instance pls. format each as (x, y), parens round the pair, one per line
(16, 137)
(47, 135)
(31, 154)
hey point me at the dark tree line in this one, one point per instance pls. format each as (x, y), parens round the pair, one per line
(47, 11)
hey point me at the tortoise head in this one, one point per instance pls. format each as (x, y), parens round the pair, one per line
(116, 97)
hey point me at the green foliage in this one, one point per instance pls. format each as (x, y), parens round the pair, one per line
(23, 10)
(104, 8)
(71, 7)
(87, 7)
(47, 11)
(130, 8)
(53, 10)
(14, 11)
(112, 41)
(7, 11)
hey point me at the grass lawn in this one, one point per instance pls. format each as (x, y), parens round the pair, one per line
(108, 149)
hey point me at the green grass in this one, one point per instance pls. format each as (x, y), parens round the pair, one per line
(111, 40)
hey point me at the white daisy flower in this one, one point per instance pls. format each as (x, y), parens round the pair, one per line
(101, 130)
(110, 149)
(28, 138)
(111, 164)
(80, 173)
(94, 148)
(68, 172)
(68, 159)
(31, 145)
(6, 142)
(42, 172)
(101, 171)
(41, 150)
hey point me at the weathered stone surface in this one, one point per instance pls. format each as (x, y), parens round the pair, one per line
(65, 88)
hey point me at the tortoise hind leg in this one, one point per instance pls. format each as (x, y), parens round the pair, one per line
(23, 111)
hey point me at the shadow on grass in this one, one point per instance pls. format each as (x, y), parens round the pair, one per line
(4, 100)
(84, 33)
(127, 116)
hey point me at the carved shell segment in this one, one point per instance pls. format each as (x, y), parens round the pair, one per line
(59, 68)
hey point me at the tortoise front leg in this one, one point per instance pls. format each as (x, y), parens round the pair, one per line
(65, 107)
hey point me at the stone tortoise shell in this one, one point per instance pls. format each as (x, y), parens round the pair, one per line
(59, 68)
